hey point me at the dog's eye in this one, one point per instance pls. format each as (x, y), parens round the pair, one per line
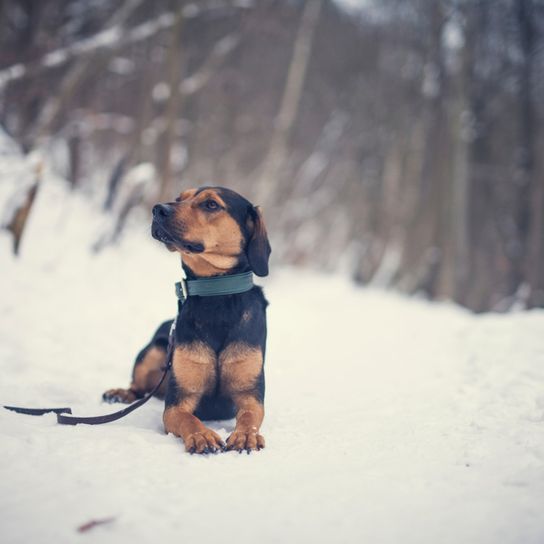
(210, 204)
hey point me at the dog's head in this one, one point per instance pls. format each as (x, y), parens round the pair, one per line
(215, 229)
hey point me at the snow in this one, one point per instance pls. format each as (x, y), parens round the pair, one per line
(161, 92)
(15, 71)
(145, 30)
(388, 419)
(104, 38)
(122, 66)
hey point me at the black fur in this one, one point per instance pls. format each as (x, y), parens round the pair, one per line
(218, 321)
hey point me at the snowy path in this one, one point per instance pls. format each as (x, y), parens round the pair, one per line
(388, 420)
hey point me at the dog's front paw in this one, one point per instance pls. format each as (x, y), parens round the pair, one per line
(206, 441)
(242, 440)
(125, 396)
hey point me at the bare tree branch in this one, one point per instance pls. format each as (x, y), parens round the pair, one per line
(291, 97)
(200, 78)
(112, 38)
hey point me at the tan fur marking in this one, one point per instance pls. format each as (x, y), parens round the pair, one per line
(248, 422)
(194, 368)
(146, 375)
(195, 371)
(240, 365)
(181, 422)
(250, 413)
(205, 265)
(148, 371)
(119, 395)
(209, 193)
(187, 194)
(246, 316)
(197, 438)
(218, 231)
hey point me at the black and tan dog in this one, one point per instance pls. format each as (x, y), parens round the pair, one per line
(217, 365)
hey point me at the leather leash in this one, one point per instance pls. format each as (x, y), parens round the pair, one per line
(207, 287)
(64, 419)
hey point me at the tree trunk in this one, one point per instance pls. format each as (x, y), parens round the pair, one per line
(20, 216)
(527, 211)
(424, 244)
(172, 114)
(461, 162)
(287, 114)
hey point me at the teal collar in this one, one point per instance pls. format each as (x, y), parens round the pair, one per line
(211, 287)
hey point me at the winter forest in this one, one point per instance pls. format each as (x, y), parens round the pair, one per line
(397, 141)
(395, 148)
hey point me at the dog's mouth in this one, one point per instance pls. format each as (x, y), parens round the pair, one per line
(192, 247)
(161, 234)
(172, 242)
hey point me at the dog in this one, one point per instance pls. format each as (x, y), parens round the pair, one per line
(219, 341)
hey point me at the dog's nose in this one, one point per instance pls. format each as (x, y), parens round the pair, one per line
(162, 210)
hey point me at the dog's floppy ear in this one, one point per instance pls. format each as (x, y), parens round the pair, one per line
(258, 248)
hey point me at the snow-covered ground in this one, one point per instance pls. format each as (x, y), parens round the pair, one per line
(388, 420)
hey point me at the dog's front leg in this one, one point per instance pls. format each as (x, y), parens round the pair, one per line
(248, 422)
(180, 421)
(241, 369)
(194, 374)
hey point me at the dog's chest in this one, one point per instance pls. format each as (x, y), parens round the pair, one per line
(220, 321)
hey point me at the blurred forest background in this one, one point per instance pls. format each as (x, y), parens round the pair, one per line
(398, 140)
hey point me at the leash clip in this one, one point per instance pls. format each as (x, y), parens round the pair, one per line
(181, 290)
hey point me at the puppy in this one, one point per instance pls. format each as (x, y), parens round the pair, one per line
(218, 358)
